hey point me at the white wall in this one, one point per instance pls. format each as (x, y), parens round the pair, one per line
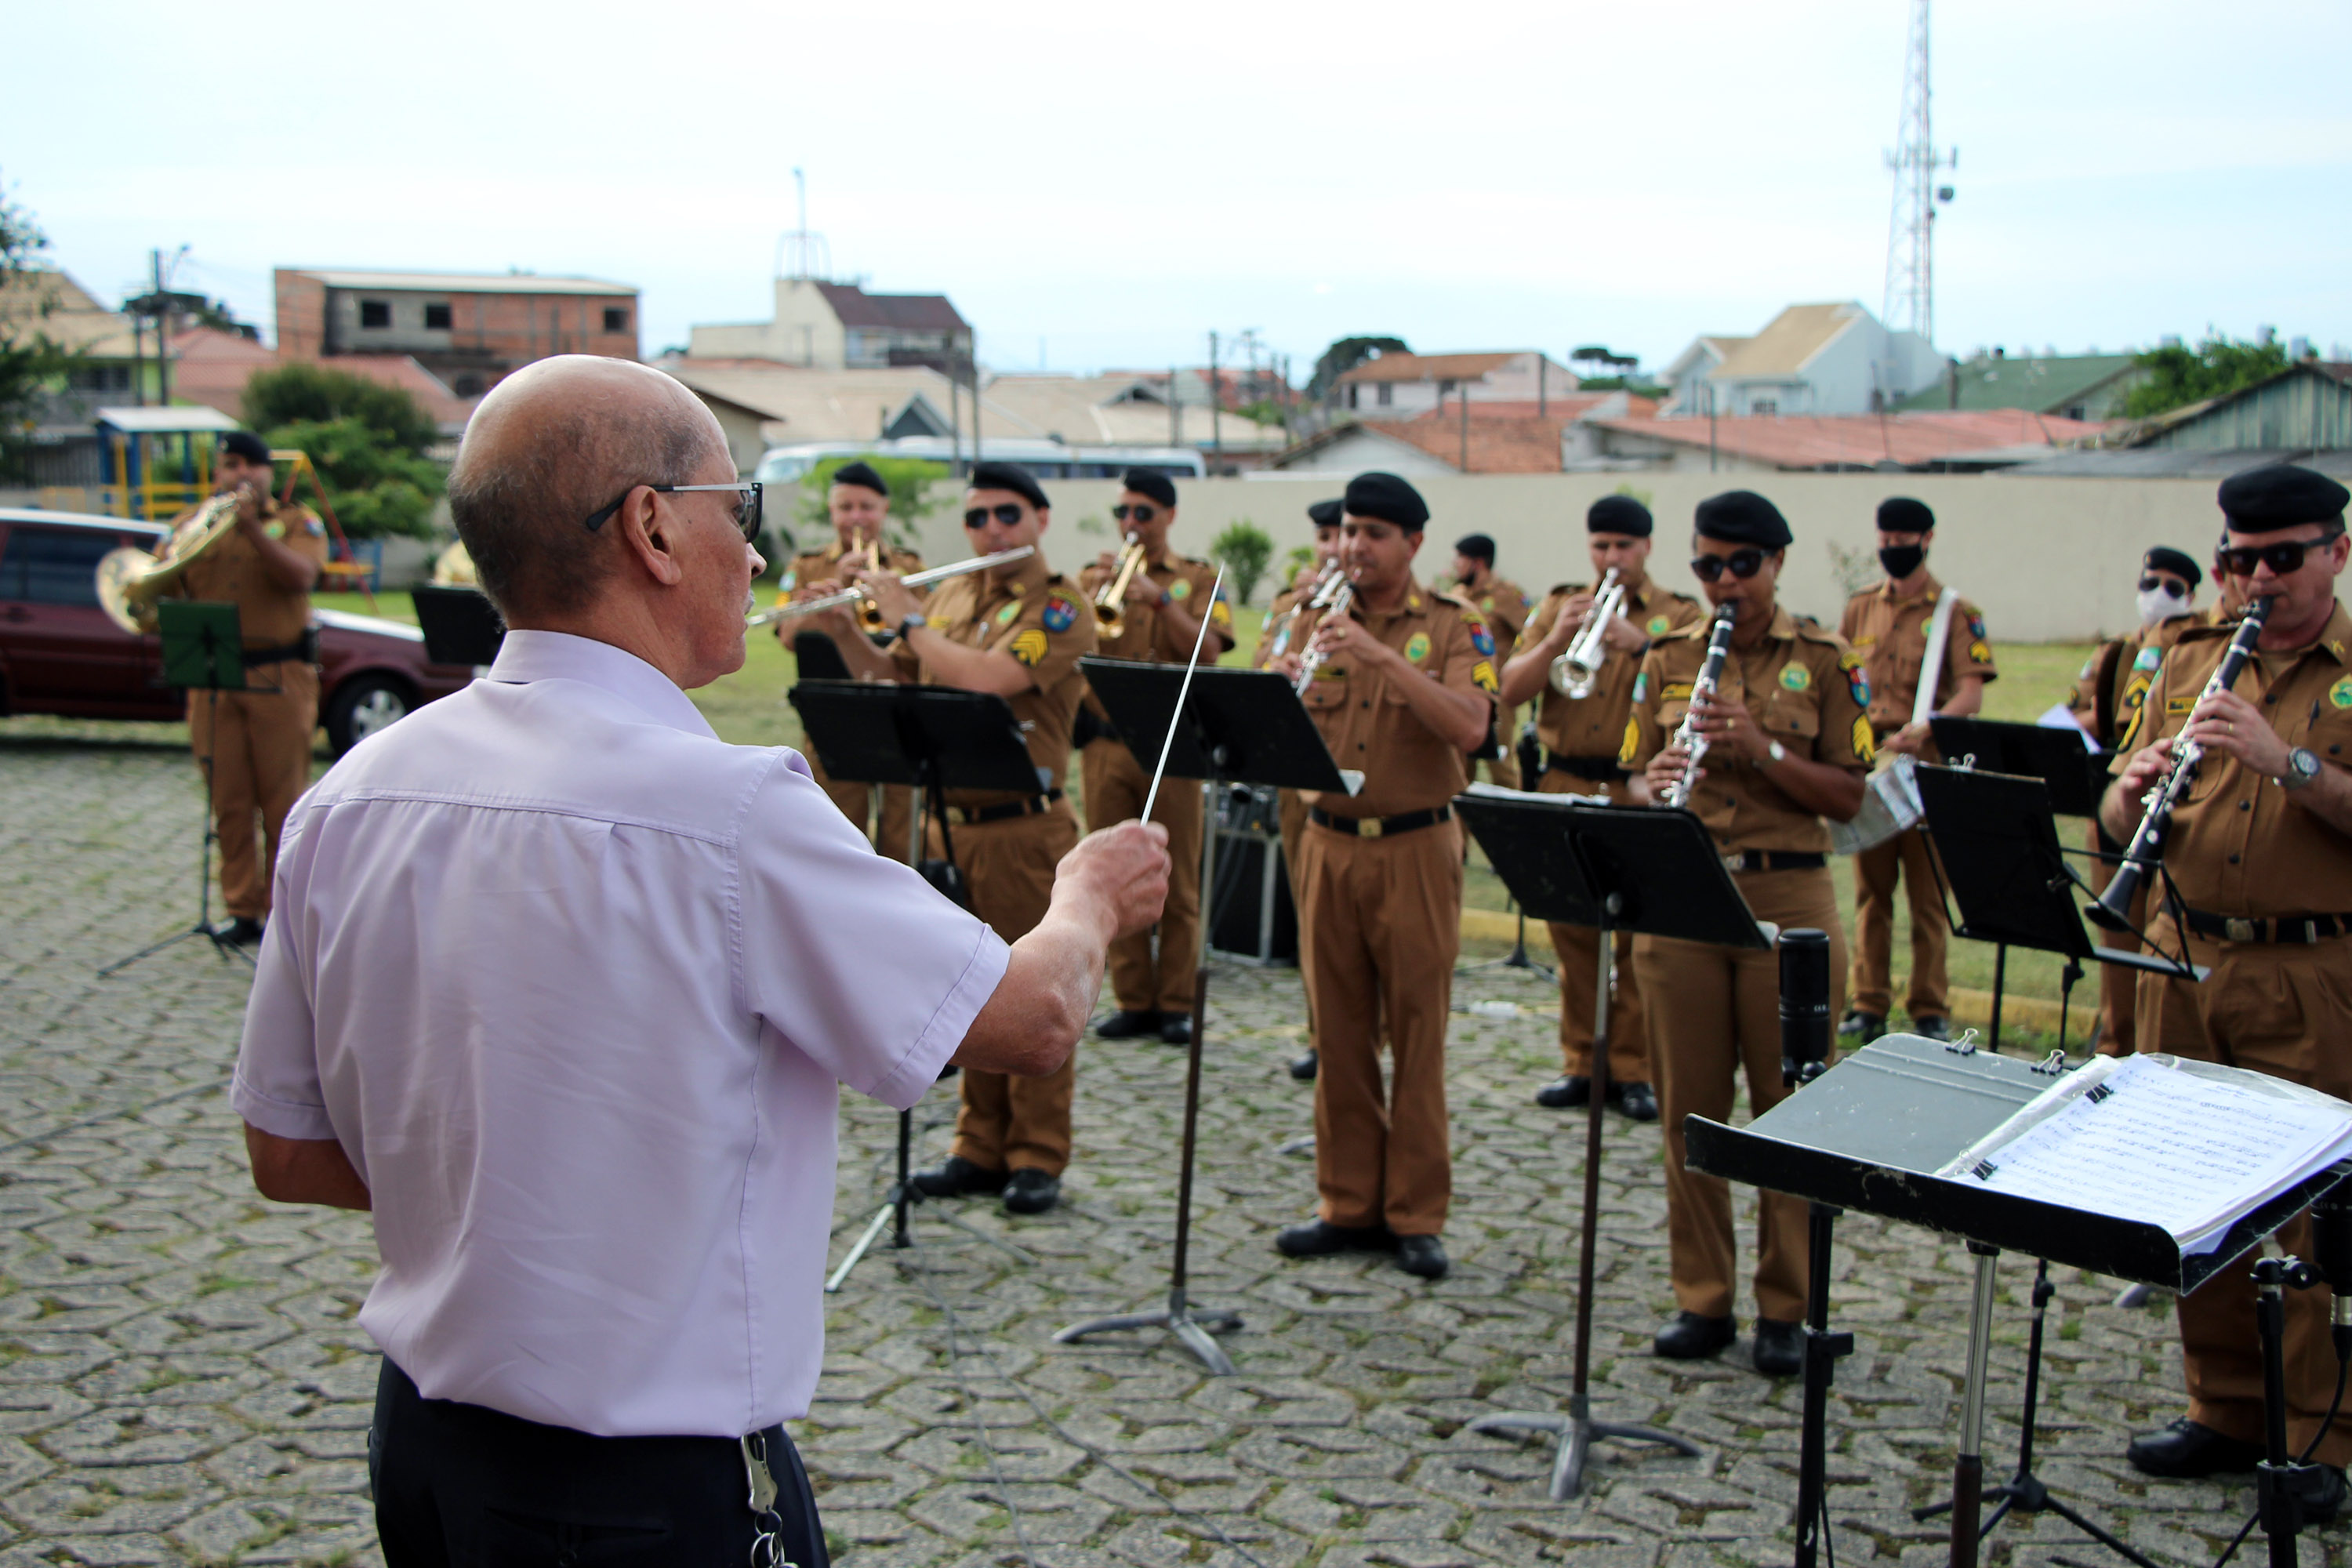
(2046, 559)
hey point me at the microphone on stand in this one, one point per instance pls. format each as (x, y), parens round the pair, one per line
(1805, 1009)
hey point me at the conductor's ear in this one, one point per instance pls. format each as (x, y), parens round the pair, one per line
(646, 522)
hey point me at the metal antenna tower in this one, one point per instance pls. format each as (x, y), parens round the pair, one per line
(812, 257)
(1910, 303)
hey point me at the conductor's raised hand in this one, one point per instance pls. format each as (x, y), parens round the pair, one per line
(1120, 875)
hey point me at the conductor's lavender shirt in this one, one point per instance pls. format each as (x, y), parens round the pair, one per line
(572, 983)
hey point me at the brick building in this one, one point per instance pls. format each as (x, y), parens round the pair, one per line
(469, 329)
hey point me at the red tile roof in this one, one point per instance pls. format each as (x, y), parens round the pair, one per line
(1558, 405)
(909, 313)
(1861, 441)
(1396, 366)
(211, 367)
(1512, 444)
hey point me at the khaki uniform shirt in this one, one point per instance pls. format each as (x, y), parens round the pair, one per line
(1505, 605)
(1891, 634)
(1143, 633)
(1802, 686)
(824, 566)
(2128, 667)
(1595, 727)
(269, 615)
(2239, 845)
(1041, 619)
(1363, 716)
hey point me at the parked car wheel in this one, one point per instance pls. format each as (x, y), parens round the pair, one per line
(363, 705)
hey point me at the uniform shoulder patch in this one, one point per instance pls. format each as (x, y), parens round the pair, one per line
(1641, 687)
(1857, 680)
(1975, 626)
(1630, 742)
(312, 526)
(1849, 659)
(1795, 677)
(1482, 639)
(1483, 675)
(1417, 647)
(1865, 747)
(2149, 658)
(1979, 652)
(1029, 647)
(1060, 614)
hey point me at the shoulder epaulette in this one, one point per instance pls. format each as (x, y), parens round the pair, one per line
(1812, 630)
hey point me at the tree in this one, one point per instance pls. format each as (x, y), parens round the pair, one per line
(909, 479)
(2178, 377)
(30, 360)
(1247, 550)
(367, 440)
(1344, 356)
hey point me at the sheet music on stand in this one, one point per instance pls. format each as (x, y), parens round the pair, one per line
(2152, 1138)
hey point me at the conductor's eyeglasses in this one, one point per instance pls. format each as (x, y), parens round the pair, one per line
(1007, 512)
(2282, 559)
(748, 507)
(1741, 563)
(1140, 513)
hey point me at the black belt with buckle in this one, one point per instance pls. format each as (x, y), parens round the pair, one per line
(1594, 770)
(1379, 827)
(1775, 860)
(2297, 928)
(971, 816)
(303, 650)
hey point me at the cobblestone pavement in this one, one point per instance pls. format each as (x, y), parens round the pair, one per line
(181, 1380)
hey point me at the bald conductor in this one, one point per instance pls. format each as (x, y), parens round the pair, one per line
(561, 987)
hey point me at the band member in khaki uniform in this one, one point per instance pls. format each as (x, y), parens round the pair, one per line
(1165, 598)
(2107, 694)
(2260, 852)
(858, 500)
(1018, 631)
(1789, 741)
(1504, 603)
(1277, 635)
(1580, 739)
(258, 740)
(1888, 625)
(1402, 689)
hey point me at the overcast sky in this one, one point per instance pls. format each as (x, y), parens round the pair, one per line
(1100, 185)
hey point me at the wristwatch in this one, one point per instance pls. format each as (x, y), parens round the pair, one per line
(914, 622)
(2302, 768)
(1778, 754)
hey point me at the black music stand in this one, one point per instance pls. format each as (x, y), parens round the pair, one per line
(818, 657)
(460, 625)
(1871, 1133)
(203, 650)
(2001, 863)
(1237, 726)
(935, 739)
(2076, 771)
(1611, 868)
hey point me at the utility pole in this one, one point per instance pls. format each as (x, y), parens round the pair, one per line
(1543, 390)
(1463, 392)
(1910, 301)
(1175, 406)
(971, 348)
(1216, 410)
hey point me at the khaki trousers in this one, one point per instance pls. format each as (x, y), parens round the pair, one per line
(1380, 925)
(1714, 1012)
(857, 803)
(1578, 949)
(1290, 812)
(2118, 986)
(1906, 855)
(1007, 1121)
(259, 743)
(1115, 785)
(2279, 1009)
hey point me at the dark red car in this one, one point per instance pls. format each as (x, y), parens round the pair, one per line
(60, 653)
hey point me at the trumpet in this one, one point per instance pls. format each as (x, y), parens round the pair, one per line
(1290, 616)
(130, 580)
(870, 613)
(1334, 599)
(1575, 673)
(1110, 601)
(912, 580)
(1710, 674)
(2112, 908)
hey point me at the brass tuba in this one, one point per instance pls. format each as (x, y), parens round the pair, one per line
(130, 580)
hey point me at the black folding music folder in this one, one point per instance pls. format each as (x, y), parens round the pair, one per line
(2062, 759)
(460, 625)
(880, 732)
(1240, 726)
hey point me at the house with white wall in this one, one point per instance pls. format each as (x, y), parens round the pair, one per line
(1398, 386)
(1824, 359)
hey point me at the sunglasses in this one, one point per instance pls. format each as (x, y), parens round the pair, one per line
(2282, 559)
(1138, 513)
(2151, 584)
(747, 507)
(1741, 563)
(1007, 512)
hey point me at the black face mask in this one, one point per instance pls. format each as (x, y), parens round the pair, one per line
(1902, 560)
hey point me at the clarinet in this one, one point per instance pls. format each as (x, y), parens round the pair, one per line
(1687, 735)
(2112, 908)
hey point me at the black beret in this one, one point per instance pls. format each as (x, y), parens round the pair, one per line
(1743, 517)
(1619, 514)
(2164, 558)
(247, 445)
(1477, 546)
(1009, 477)
(1388, 498)
(1149, 483)
(2280, 495)
(1327, 513)
(863, 476)
(1901, 514)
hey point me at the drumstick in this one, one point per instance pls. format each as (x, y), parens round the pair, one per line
(1207, 612)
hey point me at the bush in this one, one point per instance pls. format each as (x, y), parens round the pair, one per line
(1247, 550)
(367, 440)
(315, 393)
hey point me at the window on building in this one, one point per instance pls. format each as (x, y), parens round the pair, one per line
(1386, 395)
(616, 318)
(375, 314)
(436, 317)
(52, 567)
(1764, 407)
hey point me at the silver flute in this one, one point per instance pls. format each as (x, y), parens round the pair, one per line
(1687, 734)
